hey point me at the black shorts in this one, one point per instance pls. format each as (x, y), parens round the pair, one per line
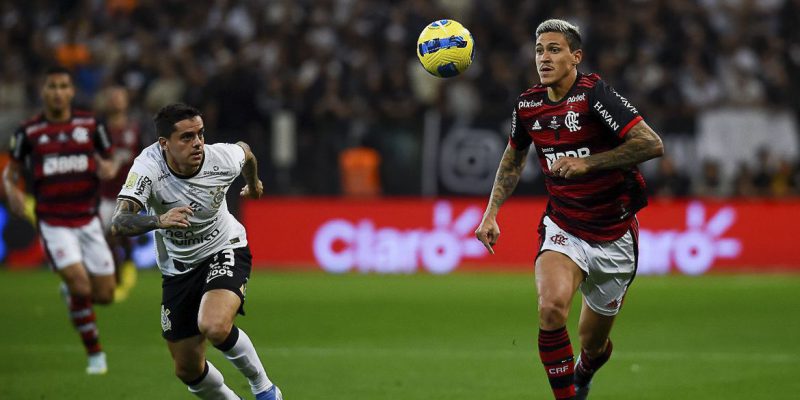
(181, 294)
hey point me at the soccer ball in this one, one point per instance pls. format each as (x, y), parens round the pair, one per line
(445, 48)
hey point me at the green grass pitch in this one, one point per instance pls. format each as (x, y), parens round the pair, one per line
(463, 336)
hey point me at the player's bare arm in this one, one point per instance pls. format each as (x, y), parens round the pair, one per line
(254, 188)
(506, 180)
(641, 144)
(127, 221)
(16, 198)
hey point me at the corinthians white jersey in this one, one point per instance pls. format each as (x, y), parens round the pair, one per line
(157, 188)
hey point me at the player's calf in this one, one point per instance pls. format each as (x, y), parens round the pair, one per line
(555, 351)
(586, 367)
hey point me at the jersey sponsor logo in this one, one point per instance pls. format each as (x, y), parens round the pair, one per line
(583, 152)
(35, 127)
(54, 165)
(606, 116)
(571, 121)
(188, 238)
(44, 139)
(215, 172)
(166, 324)
(529, 104)
(80, 134)
(625, 102)
(559, 239)
(554, 123)
(536, 126)
(513, 122)
(131, 181)
(576, 98)
(142, 184)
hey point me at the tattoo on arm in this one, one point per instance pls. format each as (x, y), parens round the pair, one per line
(250, 167)
(641, 144)
(507, 177)
(127, 221)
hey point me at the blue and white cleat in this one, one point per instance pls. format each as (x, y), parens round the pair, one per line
(273, 393)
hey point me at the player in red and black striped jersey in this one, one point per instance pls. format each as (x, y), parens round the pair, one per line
(589, 140)
(63, 150)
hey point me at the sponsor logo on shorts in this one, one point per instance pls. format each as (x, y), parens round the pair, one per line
(614, 304)
(559, 239)
(218, 268)
(166, 324)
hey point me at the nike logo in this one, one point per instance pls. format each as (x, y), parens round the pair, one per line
(166, 203)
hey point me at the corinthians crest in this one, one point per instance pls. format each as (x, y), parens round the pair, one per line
(218, 196)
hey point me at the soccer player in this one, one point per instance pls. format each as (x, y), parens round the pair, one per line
(201, 248)
(589, 140)
(63, 148)
(126, 139)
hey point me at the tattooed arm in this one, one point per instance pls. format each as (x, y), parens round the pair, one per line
(641, 144)
(127, 221)
(505, 182)
(254, 188)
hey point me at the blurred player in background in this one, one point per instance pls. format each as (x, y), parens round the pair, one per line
(201, 248)
(126, 139)
(589, 140)
(62, 149)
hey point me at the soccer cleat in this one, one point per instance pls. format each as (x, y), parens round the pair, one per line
(273, 393)
(97, 364)
(127, 280)
(582, 383)
(63, 290)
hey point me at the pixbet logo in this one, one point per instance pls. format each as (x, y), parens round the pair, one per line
(693, 250)
(341, 245)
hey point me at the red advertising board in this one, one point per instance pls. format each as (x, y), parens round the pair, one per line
(436, 235)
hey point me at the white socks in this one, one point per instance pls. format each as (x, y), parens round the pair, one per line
(212, 386)
(244, 357)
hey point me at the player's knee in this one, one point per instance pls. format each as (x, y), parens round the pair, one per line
(104, 297)
(187, 373)
(216, 330)
(553, 315)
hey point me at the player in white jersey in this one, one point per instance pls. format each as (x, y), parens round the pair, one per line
(202, 249)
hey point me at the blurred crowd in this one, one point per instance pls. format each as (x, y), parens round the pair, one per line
(344, 74)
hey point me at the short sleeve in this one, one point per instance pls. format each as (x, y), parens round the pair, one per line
(102, 140)
(519, 138)
(233, 156)
(19, 146)
(613, 110)
(138, 185)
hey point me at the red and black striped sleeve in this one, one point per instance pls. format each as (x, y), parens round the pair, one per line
(519, 137)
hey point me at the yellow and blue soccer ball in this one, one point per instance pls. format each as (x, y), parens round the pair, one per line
(445, 48)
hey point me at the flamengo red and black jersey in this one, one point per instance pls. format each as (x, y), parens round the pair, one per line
(60, 156)
(590, 119)
(125, 139)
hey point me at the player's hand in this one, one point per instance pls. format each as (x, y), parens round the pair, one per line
(106, 169)
(569, 167)
(16, 202)
(177, 217)
(253, 193)
(488, 232)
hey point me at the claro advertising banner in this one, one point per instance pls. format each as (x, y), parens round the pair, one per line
(436, 236)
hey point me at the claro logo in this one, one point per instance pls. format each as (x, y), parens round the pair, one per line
(694, 250)
(341, 245)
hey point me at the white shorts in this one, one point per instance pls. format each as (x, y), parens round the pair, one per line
(608, 267)
(87, 244)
